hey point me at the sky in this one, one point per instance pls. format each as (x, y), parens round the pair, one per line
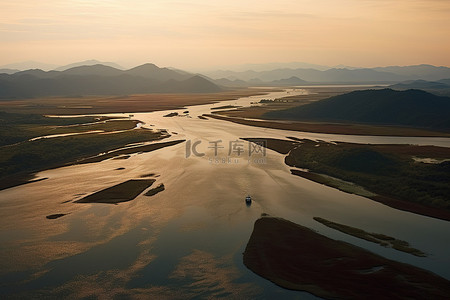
(202, 34)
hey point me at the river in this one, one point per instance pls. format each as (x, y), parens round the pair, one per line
(187, 241)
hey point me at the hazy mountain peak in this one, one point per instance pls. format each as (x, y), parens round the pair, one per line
(145, 66)
(412, 107)
(27, 65)
(8, 71)
(98, 69)
(89, 62)
(152, 71)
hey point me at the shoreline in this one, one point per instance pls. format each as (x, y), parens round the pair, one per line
(290, 149)
(295, 257)
(99, 105)
(330, 128)
(29, 177)
(403, 205)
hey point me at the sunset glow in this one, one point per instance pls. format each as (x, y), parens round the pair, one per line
(199, 34)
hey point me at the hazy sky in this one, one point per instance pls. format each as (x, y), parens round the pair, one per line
(195, 34)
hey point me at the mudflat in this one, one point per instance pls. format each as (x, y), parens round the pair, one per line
(297, 258)
(122, 192)
(120, 104)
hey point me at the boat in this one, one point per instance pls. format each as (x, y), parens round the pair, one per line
(248, 199)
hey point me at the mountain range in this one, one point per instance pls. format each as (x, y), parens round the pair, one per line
(94, 77)
(102, 80)
(339, 75)
(414, 108)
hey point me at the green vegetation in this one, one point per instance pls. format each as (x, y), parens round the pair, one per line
(16, 128)
(297, 258)
(20, 157)
(388, 170)
(119, 153)
(381, 239)
(413, 108)
(348, 187)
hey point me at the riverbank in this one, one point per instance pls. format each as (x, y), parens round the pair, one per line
(121, 104)
(389, 174)
(257, 115)
(33, 143)
(328, 128)
(377, 238)
(297, 258)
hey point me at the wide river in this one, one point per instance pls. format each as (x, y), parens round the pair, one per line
(187, 241)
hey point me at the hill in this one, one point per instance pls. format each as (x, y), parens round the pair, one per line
(413, 108)
(347, 75)
(231, 83)
(8, 71)
(152, 71)
(425, 72)
(195, 83)
(26, 65)
(334, 75)
(440, 88)
(90, 62)
(293, 80)
(98, 70)
(420, 84)
(101, 80)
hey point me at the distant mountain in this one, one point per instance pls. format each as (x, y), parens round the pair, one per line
(195, 83)
(312, 75)
(90, 62)
(151, 71)
(26, 65)
(101, 80)
(382, 107)
(424, 72)
(340, 75)
(99, 70)
(8, 71)
(36, 73)
(288, 81)
(258, 82)
(273, 66)
(441, 87)
(420, 84)
(231, 83)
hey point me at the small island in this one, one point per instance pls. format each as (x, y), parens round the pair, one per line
(122, 192)
(297, 258)
(378, 238)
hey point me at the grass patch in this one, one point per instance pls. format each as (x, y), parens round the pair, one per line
(126, 151)
(381, 169)
(381, 239)
(21, 157)
(389, 174)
